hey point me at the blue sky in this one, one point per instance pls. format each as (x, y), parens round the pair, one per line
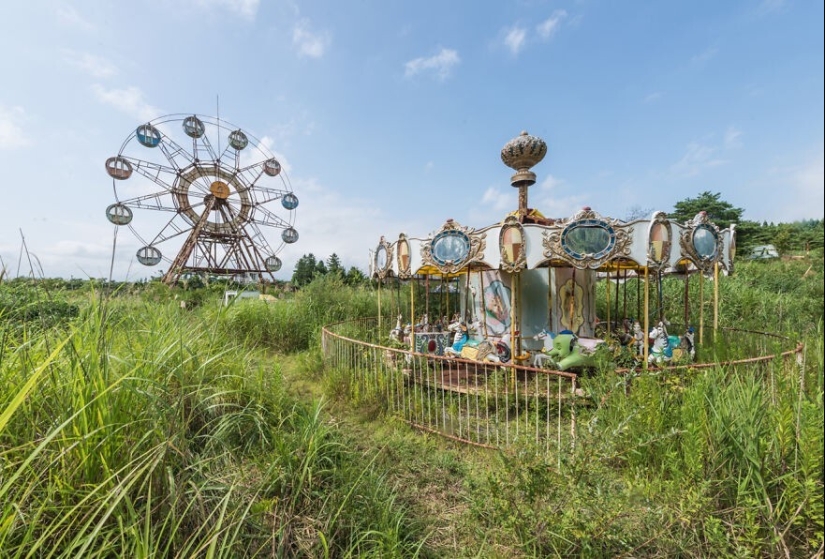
(390, 116)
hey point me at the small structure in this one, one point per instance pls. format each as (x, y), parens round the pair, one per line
(763, 252)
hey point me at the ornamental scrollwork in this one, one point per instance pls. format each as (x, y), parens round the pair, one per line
(588, 240)
(453, 247)
(702, 242)
(383, 258)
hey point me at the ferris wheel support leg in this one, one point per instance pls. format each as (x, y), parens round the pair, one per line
(174, 271)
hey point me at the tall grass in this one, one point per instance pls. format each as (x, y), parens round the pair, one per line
(150, 433)
(294, 324)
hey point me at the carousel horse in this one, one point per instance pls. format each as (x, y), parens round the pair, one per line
(460, 338)
(666, 348)
(539, 358)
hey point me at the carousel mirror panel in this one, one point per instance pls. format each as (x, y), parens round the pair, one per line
(450, 247)
(593, 238)
(383, 256)
(704, 242)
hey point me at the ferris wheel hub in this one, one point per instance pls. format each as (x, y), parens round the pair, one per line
(219, 190)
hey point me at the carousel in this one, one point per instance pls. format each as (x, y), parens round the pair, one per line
(547, 292)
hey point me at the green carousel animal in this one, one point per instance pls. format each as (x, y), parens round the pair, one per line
(571, 351)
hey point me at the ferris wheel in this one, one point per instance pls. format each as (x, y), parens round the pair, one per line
(219, 186)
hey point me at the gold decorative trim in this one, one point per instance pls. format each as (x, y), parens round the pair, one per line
(659, 218)
(553, 241)
(382, 273)
(701, 221)
(508, 263)
(404, 270)
(477, 243)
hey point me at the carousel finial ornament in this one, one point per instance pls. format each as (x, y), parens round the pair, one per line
(522, 153)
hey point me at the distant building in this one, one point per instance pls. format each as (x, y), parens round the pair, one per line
(763, 252)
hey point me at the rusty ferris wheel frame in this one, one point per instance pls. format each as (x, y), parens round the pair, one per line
(220, 198)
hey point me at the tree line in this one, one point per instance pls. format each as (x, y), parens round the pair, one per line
(797, 236)
(309, 268)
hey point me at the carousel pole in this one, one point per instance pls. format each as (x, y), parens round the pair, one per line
(624, 296)
(427, 294)
(521, 154)
(715, 299)
(607, 288)
(412, 314)
(701, 307)
(685, 300)
(483, 302)
(549, 298)
(448, 297)
(647, 321)
(380, 329)
(616, 314)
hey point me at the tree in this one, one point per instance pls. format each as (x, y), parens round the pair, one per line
(637, 212)
(783, 239)
(305, 270)
(355, 277)
(334, 266)
(719, 212)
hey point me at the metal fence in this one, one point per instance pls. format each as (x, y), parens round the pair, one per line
(485, 404)
(493, 405)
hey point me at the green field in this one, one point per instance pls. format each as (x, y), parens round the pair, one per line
(133, 426)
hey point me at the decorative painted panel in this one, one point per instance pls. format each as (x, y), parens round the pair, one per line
(512, 245)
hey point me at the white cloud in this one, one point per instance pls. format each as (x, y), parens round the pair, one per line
(733, 138)
(698, 158)
(69, 17)
(95, 66)
(329, 222)
(515, 38)
(11, 130)
(770, 6)
(551, 25)
(655, 96)
(498, 200)
(704, 56)
(244, 8)
(802, 191)
(307, 42)
(440, 64)
(129, 101)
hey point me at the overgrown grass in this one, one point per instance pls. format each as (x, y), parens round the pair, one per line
(151, 433)
(139, 429)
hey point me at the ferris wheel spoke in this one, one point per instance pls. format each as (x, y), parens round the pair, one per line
(152, 201)
(259, 239)
(154, 171)
(251, 173)
(172, 229)
(172, 151)
(268, 218)
(263, 195)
